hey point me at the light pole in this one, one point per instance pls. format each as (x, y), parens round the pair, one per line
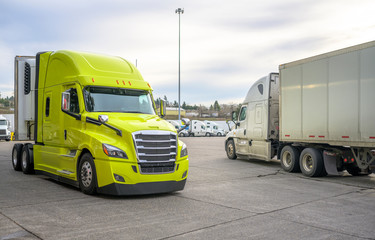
(179, 11)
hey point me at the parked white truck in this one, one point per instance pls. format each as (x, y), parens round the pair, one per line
(213, 128)
(4, 129)
(316, 115)
(198, 128)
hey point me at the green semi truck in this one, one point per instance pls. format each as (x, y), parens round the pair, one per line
(94, 125)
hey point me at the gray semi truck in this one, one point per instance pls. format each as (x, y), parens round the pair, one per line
(316, 115)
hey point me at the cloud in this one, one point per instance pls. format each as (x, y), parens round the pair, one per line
(225, 46)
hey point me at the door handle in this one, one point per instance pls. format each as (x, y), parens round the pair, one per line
(65, 133)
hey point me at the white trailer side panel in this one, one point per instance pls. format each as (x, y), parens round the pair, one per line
(24, 101)
(330, 98)
(291, 110)
(367, 94)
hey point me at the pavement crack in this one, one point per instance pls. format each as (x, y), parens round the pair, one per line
(204, 228)
(19, 233)
(270, 174)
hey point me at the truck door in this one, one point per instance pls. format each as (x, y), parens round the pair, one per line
(72, 126)
(242, 144)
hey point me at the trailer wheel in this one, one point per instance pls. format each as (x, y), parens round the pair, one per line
(16, 156)
(27, 163)
(311, 162)
(231, 149)
(289, 159)
(87, 174)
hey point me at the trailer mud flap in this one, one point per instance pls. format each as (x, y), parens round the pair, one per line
(330, 163)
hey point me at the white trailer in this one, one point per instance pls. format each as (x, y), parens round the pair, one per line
(316, 115)
(24, 118)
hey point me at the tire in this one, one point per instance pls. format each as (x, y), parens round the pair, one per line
(231, 149)
(219, 134)
(208, 135)
(87, 174)
(311, 162)
(289, 159)
(16, 156)
(27, 159)
(181, 134)
(7, 139)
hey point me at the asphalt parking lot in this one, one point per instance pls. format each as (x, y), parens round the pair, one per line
(223, 199)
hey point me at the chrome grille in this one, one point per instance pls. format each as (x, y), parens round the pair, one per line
(154, 149)
(3, 131)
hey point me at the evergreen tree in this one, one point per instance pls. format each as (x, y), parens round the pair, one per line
(216, 106)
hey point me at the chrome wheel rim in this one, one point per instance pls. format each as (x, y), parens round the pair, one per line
(307, 162)
(287, 159)
(14, 157)
(86, 174)
(24, 163)
(230, 149)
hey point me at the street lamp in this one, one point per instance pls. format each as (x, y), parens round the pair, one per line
(179, 11)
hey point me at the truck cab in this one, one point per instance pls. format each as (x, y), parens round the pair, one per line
(4, 129)
(257, 122)
(197, 129)
(213, 128)
(95, 126)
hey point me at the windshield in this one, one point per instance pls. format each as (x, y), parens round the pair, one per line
(105, 99)
(3, 122)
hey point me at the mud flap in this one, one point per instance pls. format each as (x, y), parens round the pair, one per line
(330, 163)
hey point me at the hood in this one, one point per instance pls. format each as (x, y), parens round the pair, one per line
(132, 122)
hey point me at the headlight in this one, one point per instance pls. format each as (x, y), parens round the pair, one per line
(112, 151)
(184, 151)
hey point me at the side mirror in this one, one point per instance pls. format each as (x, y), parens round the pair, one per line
(234, 116)
(186, 121)
(103, 118)
(65, 104)
(163, 108)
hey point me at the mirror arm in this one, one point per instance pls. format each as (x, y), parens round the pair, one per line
(97, 122)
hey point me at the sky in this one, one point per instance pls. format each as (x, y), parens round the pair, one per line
(225, 45)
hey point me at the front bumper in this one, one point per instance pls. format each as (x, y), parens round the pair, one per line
(4, 137)
(142, 188)
(137, 183)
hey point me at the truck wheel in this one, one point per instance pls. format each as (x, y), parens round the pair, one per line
(311, 162)
(16, 156)
(27, 159)
(181, 134)
(208, 135)
(289, 159)
(87, 174)
(231, 149)
(219, 134)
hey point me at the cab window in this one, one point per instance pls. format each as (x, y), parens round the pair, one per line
(243, 113)
(70, 101)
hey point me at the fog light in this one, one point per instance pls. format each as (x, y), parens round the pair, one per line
(184, 175)
(119, 178)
